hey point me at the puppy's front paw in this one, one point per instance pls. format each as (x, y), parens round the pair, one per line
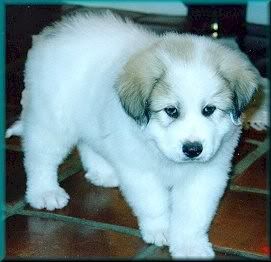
(157, 237)
(155, 231)
(192, 249)
(50, 199)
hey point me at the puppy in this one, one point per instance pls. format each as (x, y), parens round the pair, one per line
(158, 116)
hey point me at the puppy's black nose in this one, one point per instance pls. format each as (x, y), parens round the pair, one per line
(192, 149)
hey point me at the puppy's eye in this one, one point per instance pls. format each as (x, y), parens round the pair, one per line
(208, 110)
(172, 112)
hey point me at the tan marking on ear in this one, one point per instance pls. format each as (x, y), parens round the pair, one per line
(161, 97)
(136, 82)
(235, 68)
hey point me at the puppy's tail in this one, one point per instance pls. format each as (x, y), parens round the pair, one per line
(16, 129)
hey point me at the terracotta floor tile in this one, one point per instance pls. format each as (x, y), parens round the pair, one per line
(36, 237)
(255, 176)
(225, 256)
(96, 203)
(254, 134)
(70, 161)
(163, 253)
(15, 177)
(241, 222)
(242, 150)
(14, 142)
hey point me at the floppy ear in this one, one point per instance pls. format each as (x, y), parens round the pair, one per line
(243, 78)
(136, 82)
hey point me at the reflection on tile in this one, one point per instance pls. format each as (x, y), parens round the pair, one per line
(96, 203)
(240, 222)
(255, 176)
(36, 237)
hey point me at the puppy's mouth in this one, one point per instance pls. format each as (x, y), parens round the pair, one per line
(188, 160)
(196, 159)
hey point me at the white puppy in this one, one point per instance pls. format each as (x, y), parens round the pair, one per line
(155, 115)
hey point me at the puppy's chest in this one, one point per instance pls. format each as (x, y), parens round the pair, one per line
(171, 174)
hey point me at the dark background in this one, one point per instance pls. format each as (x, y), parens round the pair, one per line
(23, 21)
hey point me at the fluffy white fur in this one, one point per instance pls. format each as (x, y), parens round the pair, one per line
(74, 78)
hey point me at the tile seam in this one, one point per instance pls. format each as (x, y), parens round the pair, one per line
(241, 253)
(249, 159)
(253, 141)
(77, 167)
(81, 221)
(249, 190)
(13, 209)
(146, 252)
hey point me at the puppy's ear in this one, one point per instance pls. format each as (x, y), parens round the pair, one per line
(136, 82)
(242, 77)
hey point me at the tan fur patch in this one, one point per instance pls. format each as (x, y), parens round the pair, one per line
(180, 47)
(137, 81)
(235, 68)
(144, 70)
(161, 97)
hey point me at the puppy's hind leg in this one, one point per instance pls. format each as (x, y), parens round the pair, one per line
(99, 171)
(44, 151)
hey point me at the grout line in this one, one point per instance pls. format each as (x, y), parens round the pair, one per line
(240, 253)
(253, 141)
(229, 251)
(249, 159)
(148, 251)
(77, 167)
(14, 209)
(82, 221)
(249, 189)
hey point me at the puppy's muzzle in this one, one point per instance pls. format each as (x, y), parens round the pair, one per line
(192, 149)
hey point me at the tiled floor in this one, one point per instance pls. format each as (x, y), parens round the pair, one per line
(98, 223)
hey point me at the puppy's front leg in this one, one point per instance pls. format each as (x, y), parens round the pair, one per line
(43, 152)
(149, 201)
(194, 204)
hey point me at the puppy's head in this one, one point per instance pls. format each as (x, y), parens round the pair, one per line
(186, 90)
